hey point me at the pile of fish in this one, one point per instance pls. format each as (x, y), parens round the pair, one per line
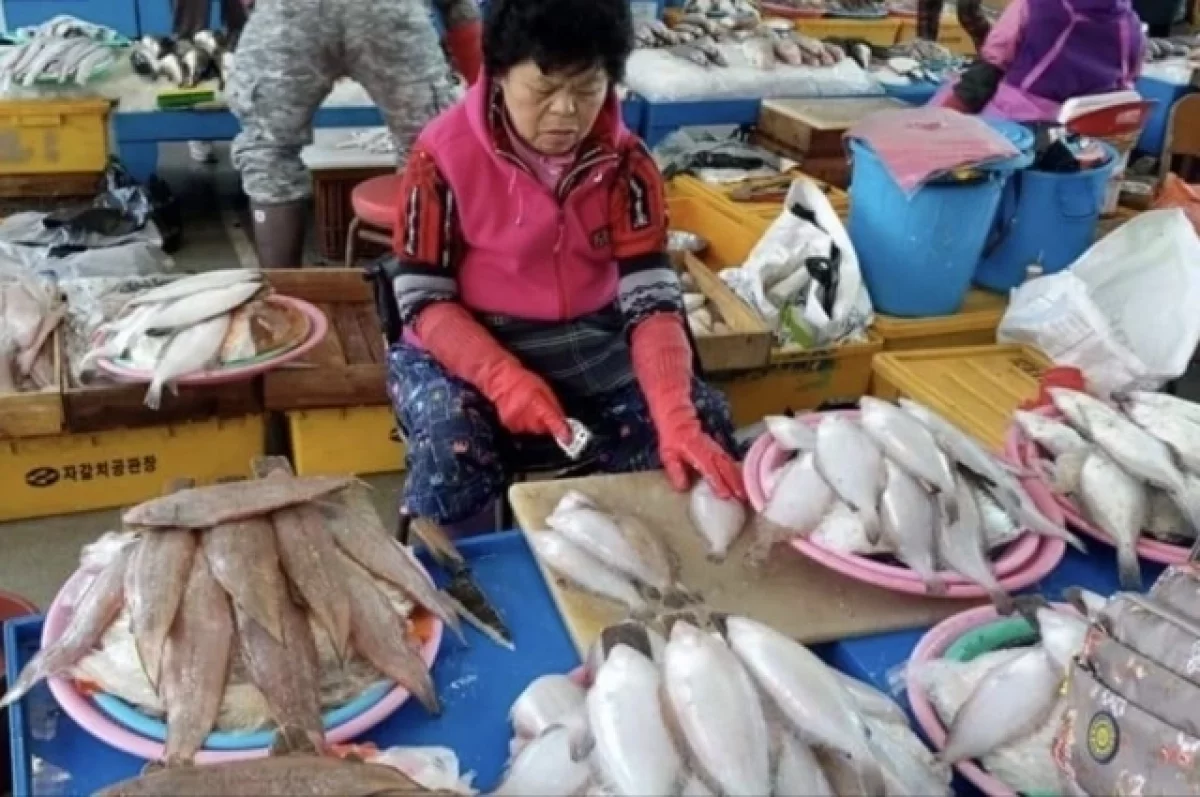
(207, 55)
(900, 480)
(57, 59)
(703, 316)
(1003, 708)
(29, 314)
(1174, 47)
(700, 40)
(195, 323)
(737, 709)
(65, 26)
(1132, 466)
(246, 604)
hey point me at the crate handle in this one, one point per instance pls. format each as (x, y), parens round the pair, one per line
(48, 120)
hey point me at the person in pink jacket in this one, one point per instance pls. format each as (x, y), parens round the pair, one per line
(532, 282)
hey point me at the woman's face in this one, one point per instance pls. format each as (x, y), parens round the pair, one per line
(553, 112)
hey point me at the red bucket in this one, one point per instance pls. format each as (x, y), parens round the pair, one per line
(12, 606)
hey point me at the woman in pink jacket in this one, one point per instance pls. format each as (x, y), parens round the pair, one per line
(532, 278)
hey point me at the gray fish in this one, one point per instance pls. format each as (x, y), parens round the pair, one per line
(1117, 503)
(963, 548)
(244, 558)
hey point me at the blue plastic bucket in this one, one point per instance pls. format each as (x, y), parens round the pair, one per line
(918, 252)
(1047, 218)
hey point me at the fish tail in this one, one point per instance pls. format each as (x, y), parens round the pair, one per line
(33, 672)
(154, 394)
(1129, 569)
(871, 525)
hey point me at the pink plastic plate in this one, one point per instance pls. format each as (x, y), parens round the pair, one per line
(932, 646)
(1023, 451)
(1025, 560)
(85, 713)
(318, 327)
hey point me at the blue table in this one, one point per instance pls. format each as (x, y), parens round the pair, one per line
(477, 682)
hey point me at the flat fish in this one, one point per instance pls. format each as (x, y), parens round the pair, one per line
(623, 543)
(962, 548)
(717, 709)
(212, 505)
(154, 588)
(718, 520)
(853, 466)
(546, 767)
(792, 434)
(908, 519)
(797, 770)
(1180, 434)
(95, 611)
(1117, 503)
(196, 664)
(201, 306)
(1054, 436)
(584, 570)
(8, 362)
(549, 700)
(244, 559)
(908, 443)
(871, 701)
(239, 340)
(1164, 402)
(186, 286)
(190, 350)
(1134, 449)
(634, 751)
(801, 498)
(380, 636)
(120, 336)
(357, 531)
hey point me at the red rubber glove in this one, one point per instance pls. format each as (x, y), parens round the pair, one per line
(662, 362)
(525, 403)
(465, 43)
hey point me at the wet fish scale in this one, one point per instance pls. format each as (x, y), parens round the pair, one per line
(154, 588)
(212, 505)
(196, 663)
(245, 561)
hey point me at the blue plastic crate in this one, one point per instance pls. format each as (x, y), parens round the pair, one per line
(1154, 135)
(663, 118)
(477, 683)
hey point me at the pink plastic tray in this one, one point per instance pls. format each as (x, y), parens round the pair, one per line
(932, 646)
(318, 327)
(1026, 560)
(81, 709)
(1020, 449)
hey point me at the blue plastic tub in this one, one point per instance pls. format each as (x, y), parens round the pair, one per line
(918, 252)
(1047, 218)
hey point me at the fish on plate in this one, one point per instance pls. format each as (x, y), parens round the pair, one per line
(850, 462)
(961, 545)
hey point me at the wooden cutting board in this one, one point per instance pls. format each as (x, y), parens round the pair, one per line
(790, 593)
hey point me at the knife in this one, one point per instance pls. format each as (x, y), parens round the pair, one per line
(464, 592)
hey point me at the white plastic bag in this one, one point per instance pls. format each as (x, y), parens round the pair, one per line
(1125, 312)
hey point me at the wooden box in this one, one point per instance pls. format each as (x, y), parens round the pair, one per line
(35, 413)
(747, 344)
(815, 127)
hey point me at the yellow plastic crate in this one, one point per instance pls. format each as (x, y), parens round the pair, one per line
(881, 32)
(53, 136)
(730, 233)
(975, 387)
(357, 440)
(974, 325)
(688, 186)
(951, 35)
(58, 474)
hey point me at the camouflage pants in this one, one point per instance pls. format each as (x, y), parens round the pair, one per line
(289, 56)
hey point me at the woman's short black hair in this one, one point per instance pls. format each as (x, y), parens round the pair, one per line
(558, 35)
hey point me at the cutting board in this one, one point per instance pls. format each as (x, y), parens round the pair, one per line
(790, 592)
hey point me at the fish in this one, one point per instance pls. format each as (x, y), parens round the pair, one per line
(717, 710)
(623, 543)
(853, 466)
(186, 286)
(8, 362)
(120, 335)
(797, 771)
(1164, 518)
(195, 663)
(190, 350)
(239, 340)
(546, 767)
(870, 701)
(1137, 452)
(1181, 435)
(634, 750)
(641, 636)
(1011, 702)
(961, 546)
(692, 55)
(908, 519)
(380, 636)
(718, 520)
(316, 776)
(800, 687)
(585, 571)
(1062, 634)
(798, 503)
(244, 559)
(201, 306)
(1052, 435)
(788, 51)
(154, 587)
(357, 531)
(549, 700)
(791, 434)
(99, 605)
(1164, 402)
(1117, 503)
(46, 327)
(842, 530)
(908, 443)
(908, 767)
(212, 505)
(759, 52)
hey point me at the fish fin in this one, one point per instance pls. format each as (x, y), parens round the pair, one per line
(630, 633)
(291, 739)
(33, 672)
(154, 394)
(1129, 569)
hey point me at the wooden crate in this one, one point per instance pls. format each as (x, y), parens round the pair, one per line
(347, 368)
(814, 127)
(99, 408)
(747, 344)
(33, 414)
(333, 211)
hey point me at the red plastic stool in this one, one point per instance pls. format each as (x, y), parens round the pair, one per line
(374, 204)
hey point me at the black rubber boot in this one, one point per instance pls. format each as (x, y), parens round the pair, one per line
(279, 233)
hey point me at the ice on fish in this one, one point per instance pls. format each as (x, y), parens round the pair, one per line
(547, 701)
(852, 465)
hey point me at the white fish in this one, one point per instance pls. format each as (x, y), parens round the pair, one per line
(573, 499)
(1062, 636)
(1011, 702)
(634, 752)
(584, 571)
(797, 771)
(122, 333)
(998, 526)
(908, 519)
(801, 498)
(908, 443)
(853, 466)
(547, 701)
(1179, 433)
(908, 767)
(1165, 402)
(961, 547)
(546, 767)
(792, 434)
(1054, 436)
(799, 685)
(1116, 502)
(1076, 405)
(718, 520)
(623, 543)
(201, 306)
(186, 286)
(870, 700)
(190, 350)
(717, 710)
(1133, 449)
